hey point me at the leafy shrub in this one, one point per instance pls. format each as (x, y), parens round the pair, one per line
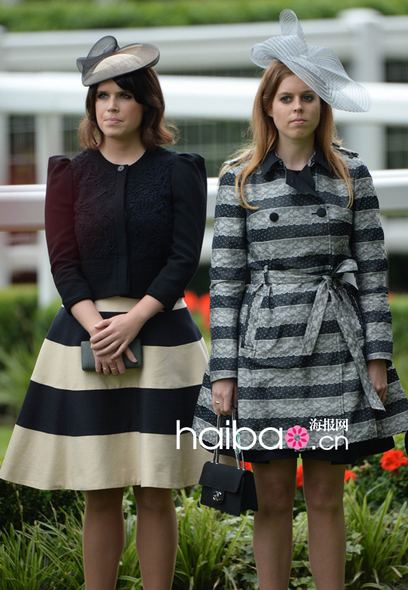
(20, 345)
(382, 536)
(373, 481)
(18, 305)
(214, 550)
(209, 551)
(42, 15)
(21, 505)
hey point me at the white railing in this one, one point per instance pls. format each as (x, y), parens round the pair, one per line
(22, 209)
(362, 37)
(54, 95)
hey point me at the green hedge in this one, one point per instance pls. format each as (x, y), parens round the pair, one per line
(17, 308)
(56, 15)
(214, 550)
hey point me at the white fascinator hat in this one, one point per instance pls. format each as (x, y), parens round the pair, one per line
(318, 67)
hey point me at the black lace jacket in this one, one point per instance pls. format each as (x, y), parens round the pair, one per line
(125, 230)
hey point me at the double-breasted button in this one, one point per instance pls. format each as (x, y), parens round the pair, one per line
(120, 168)
(321, 212)
(274, 216)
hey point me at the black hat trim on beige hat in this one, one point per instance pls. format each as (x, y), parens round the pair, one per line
(106, 60)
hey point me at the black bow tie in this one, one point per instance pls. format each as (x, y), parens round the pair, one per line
(301, 180)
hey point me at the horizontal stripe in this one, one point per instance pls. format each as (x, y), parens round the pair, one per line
(221, 301)
(377, 316)
(283, 232)
(356, 418)
(163, 368)
(229, 242)
(293, 200)
(330, 359)
(369, 234)
(170, 328)
(230, 274)
(379, 346)
(224, 332)
(298, 391)
(293, 330)
(376, 265)
(94, 412)
(365, 203)
(226, 210)
(124, 304)
(50, 462)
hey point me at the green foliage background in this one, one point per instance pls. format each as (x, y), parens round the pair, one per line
(214, 550)
(34, 15)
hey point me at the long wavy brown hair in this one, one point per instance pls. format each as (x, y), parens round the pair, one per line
(145, 87)
(265, 135)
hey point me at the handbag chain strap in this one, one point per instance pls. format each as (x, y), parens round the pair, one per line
(239, 455)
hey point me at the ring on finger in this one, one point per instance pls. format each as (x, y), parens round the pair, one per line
(217, 403)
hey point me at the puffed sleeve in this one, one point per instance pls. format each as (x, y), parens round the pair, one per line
(189, 194)
(60, 234)
(369, 252)
(228, 275)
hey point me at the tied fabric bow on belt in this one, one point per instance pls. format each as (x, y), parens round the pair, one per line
(344, 312)
(330, 285)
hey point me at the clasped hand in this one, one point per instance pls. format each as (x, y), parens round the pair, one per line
(110, 339)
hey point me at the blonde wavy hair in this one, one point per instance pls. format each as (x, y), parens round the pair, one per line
(265, 135)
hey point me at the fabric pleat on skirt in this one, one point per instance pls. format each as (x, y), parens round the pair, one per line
(84, 430)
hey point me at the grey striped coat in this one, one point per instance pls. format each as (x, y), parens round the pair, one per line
(286, 319)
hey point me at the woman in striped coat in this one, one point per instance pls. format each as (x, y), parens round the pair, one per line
(303, 353)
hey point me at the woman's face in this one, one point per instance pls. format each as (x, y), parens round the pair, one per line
(295, 110)
(117, 113)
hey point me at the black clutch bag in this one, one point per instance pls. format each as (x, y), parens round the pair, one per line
(88, 359)
(227, 488)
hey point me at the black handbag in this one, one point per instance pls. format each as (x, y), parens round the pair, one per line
(227, 488)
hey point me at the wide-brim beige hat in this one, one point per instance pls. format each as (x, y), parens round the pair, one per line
(318, 67)
(106, 60)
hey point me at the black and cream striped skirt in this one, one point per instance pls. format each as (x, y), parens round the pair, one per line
(85, 431)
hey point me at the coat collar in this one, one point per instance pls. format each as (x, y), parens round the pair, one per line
(271, 160)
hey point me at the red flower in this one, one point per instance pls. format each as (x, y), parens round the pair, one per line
(204, 308)
(199, 304)
(348, 474)
(192, 300)
(393, 460)
(299, 476)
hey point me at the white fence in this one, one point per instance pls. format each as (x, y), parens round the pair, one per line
(363, 38)
(53, 95)
(22, 209)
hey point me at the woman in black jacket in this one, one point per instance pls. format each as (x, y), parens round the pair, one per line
(124, 223)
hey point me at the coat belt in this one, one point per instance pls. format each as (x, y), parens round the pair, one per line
(329, 284)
